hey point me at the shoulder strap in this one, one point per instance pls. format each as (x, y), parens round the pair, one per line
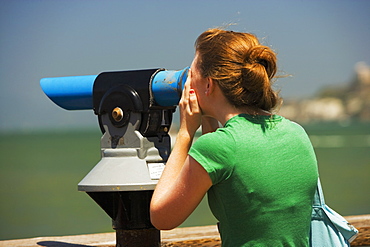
(318, 200)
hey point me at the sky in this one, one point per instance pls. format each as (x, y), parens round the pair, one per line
(317, 42)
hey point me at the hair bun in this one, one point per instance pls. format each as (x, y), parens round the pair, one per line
(264, 56)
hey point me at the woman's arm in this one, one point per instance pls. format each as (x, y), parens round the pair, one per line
(184, 181)
(176, 197)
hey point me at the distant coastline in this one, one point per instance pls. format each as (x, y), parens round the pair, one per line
(346, 104)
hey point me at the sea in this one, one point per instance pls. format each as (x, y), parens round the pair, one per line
(40, 170)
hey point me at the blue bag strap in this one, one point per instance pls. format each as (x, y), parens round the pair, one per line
(318, 200)
(321, 212)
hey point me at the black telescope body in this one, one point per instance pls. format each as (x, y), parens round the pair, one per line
(134, 110)
(130, 91)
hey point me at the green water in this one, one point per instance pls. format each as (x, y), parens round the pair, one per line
(39, 173)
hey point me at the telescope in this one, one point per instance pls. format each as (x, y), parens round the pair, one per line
(134, 110)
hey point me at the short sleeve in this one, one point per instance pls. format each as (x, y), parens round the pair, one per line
(215, 152)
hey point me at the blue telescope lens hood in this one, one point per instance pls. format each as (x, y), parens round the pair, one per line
(70, 93)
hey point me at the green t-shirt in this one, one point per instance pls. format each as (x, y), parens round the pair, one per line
(264, 175)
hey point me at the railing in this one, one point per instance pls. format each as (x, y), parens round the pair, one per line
(362, 223)
(189, 236)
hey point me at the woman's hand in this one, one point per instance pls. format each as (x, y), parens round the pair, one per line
(190, 112)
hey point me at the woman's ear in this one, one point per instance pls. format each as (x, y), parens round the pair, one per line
(210, 86)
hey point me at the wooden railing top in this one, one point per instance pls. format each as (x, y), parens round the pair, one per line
(188, 236)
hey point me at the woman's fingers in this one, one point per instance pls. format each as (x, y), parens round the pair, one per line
(190, 117)
(193, 102)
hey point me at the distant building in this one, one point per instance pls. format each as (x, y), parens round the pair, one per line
(348, 103)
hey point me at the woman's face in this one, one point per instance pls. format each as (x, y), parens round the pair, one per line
(198, 82)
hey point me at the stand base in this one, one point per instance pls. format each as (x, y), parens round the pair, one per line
(139, 237)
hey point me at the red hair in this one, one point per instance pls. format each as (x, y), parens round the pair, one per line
(243, 68)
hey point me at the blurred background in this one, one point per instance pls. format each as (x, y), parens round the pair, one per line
(45, 150)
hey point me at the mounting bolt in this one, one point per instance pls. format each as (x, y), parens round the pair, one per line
(117, 114)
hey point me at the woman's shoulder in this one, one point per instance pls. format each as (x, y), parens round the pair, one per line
(220, 142)
(221, 136)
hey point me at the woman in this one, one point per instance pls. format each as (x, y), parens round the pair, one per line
(259, 169)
